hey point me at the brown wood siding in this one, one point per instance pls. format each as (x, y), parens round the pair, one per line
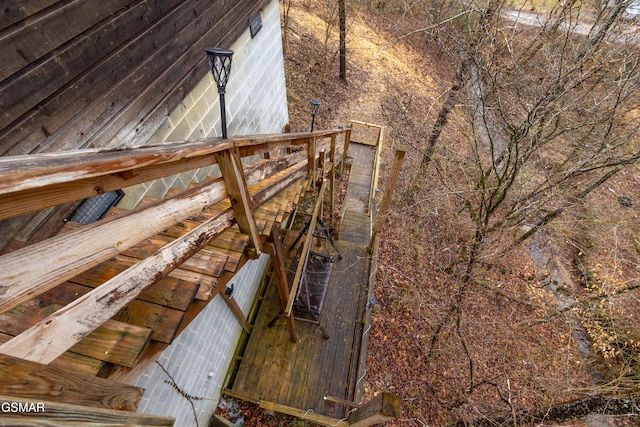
(90, 73)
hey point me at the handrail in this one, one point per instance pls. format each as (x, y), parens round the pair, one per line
(306, 248)
(33, 182)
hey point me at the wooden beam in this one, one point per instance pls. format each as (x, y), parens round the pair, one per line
(24, 172)
(272, 408)
(279, 269)
(369, 125)
(64, 256)
(33, 182)
(376, 164)
(332, 184)
(388, 192)
(305, 252)
(237, 311)
(66, 414)
(29, 380)
(51, 337)
(380, 409)
(231, 168)
(345, 148)
(311, 160)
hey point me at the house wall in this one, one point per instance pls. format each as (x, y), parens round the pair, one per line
(256, 103)
(95, 73)
(199, 358)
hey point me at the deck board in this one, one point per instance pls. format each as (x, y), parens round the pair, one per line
(300, 375)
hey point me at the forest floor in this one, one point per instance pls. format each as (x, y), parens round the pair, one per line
(457, 354)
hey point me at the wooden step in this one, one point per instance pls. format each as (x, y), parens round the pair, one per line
(206, 282)
(210, 261)
(70, 360)
(114, 342)
(170, 291)
(29, 380)
(232, 239)
(163, 321)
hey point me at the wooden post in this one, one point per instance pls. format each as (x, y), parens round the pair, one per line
(322, 165)
(305, 252)
(236, 185)
(332, 184)
(237, 311)
(376, 166)
(380, 409)
(281, 278)
(388, 192)
(345, 148)
(311, 160)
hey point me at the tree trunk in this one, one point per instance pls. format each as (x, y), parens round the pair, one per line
(343, 39)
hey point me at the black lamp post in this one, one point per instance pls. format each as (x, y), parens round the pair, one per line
(220, 63)
(315, 104)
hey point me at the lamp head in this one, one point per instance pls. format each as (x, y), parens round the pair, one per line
(220, 63)
(315, 104)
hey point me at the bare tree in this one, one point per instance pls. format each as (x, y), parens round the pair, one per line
(549, 112)
(342, 17)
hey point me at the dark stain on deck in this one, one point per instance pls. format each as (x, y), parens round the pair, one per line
(302, 374)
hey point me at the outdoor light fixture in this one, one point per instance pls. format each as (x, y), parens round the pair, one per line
(315, 104)
(220, 63)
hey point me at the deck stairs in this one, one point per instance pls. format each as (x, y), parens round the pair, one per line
(84, 310)
(275, 172)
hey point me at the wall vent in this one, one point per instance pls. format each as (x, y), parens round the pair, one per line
(94, 208)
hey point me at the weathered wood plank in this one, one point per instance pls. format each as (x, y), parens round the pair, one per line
(205, 261)
(72, 361)
(47, 31)
(82, 60)
(35, 182)
(163, 321)
(70, 253)
(13, 12)
(67, 413)
(32, 194)
(170, 292)
(18, 173)
(231, 240)
(29, 380)
(231, 168)
(56, 334)
(114, 342)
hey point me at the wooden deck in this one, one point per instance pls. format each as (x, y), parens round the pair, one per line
(304, 374)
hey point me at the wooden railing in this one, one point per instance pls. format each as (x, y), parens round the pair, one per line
(31, 183)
